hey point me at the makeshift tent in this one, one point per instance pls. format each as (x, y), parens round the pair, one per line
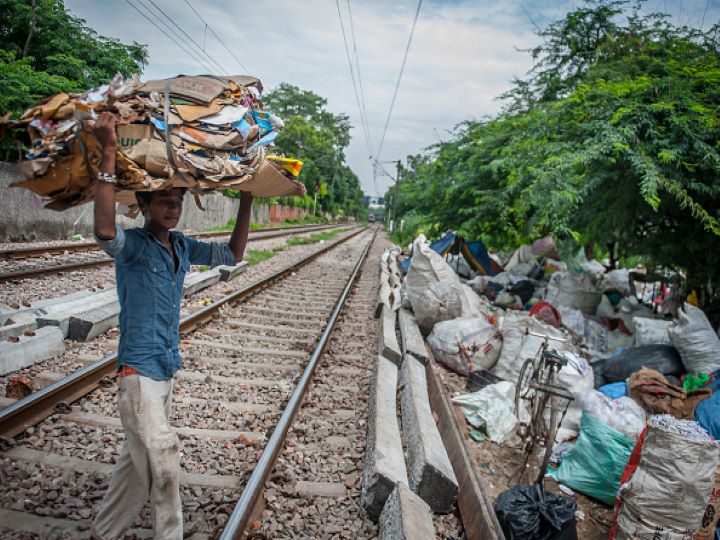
(474, 252)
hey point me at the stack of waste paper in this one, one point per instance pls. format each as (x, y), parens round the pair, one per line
(203, 133)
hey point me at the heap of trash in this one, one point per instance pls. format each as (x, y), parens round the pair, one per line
(203, 133)
(641, 433)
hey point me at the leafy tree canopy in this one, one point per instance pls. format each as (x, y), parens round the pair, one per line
(612, 138)
(318, 138)
(45, 50)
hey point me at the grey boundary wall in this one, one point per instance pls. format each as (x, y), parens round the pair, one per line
(23, 218)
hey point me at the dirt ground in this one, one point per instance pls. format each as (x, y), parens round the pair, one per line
(498, 463)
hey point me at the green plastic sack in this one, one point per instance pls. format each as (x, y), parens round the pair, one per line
(595, 464)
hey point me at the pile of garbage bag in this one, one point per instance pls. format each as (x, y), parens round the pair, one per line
(626, 366)
(203, 133)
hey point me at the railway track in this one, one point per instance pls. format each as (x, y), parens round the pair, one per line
(101, 260)
(246, 356)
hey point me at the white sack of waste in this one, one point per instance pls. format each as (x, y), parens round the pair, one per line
(616, 280)
(623, 414)
(492, 409)
(651, 331)
(695, 340)
(518, 345)
(439, 302)
(573, 290)
(577, 378)
(466, 344)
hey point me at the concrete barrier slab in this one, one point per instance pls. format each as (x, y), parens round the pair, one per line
(410, 336)
(406, 517)
(388, 344)
(197, 281)
(430, 473)
(94, 321)
(231, 272)
(384, 462)
(384, 293)
(46, 343)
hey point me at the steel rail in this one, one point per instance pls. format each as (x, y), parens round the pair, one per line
(54, 269)
(26, 253)
(28, 411)
(242, 513)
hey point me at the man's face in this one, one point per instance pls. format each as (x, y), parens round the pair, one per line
(165, 208)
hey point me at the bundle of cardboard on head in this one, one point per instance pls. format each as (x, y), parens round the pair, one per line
(203, 133)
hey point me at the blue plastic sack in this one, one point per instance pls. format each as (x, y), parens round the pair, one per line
(614, 390)
(595, 464)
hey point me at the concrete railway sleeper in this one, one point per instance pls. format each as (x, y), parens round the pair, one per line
(228, 399)
(32, 262)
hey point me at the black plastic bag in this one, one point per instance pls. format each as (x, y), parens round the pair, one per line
(531, 513)
(662, 358)
(524, 289)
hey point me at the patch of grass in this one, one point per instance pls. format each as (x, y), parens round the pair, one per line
(309, 220)
(256, 256)
(313, 238)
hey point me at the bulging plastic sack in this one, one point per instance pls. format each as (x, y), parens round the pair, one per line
(577, 378)
(616, 280)
(623, 414)
(651, 331)
(440, 302)
(428, 270)
(466, 344)
(573, 290)
(518, 345)
(696, 341)
(668, 492)
(596, 462)
(662, 358)
(491, 409)
(544, 247)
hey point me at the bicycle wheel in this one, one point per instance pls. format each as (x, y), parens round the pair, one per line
(523, 392)
(544, 430)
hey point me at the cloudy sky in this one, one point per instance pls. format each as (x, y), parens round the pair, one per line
(464, 54)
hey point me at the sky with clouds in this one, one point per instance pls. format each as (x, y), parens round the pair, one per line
(464, 54)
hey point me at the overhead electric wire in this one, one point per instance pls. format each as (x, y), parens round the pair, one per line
(397, 85)
(352, 76)
(359, 75)
(247, 71)
(178, 39)
(171, 38)
(168, 17)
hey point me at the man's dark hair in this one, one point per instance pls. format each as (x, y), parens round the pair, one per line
(146, 196)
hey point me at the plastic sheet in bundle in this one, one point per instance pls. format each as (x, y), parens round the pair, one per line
(669, 491)
(596, 462)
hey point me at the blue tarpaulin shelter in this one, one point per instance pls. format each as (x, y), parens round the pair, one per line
(474, 253)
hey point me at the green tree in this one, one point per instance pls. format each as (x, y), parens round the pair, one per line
(612, 138)
(45, 50)
(318, 138)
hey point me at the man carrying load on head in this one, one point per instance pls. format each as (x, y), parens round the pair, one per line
(150, 267)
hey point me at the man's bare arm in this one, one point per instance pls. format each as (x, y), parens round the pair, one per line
(104, 225)
(238, 240)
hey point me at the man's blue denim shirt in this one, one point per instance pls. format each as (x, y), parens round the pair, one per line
(150, 291)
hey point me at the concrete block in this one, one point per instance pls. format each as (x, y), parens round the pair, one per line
(388, 344)
(59, 319)
(17, 329)
(230, 272)
(197, 281)
(384, 462)
(384, 293)
(430, 473)
(410, 336)
(94, 321)
(406, 517)
(46, 343)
